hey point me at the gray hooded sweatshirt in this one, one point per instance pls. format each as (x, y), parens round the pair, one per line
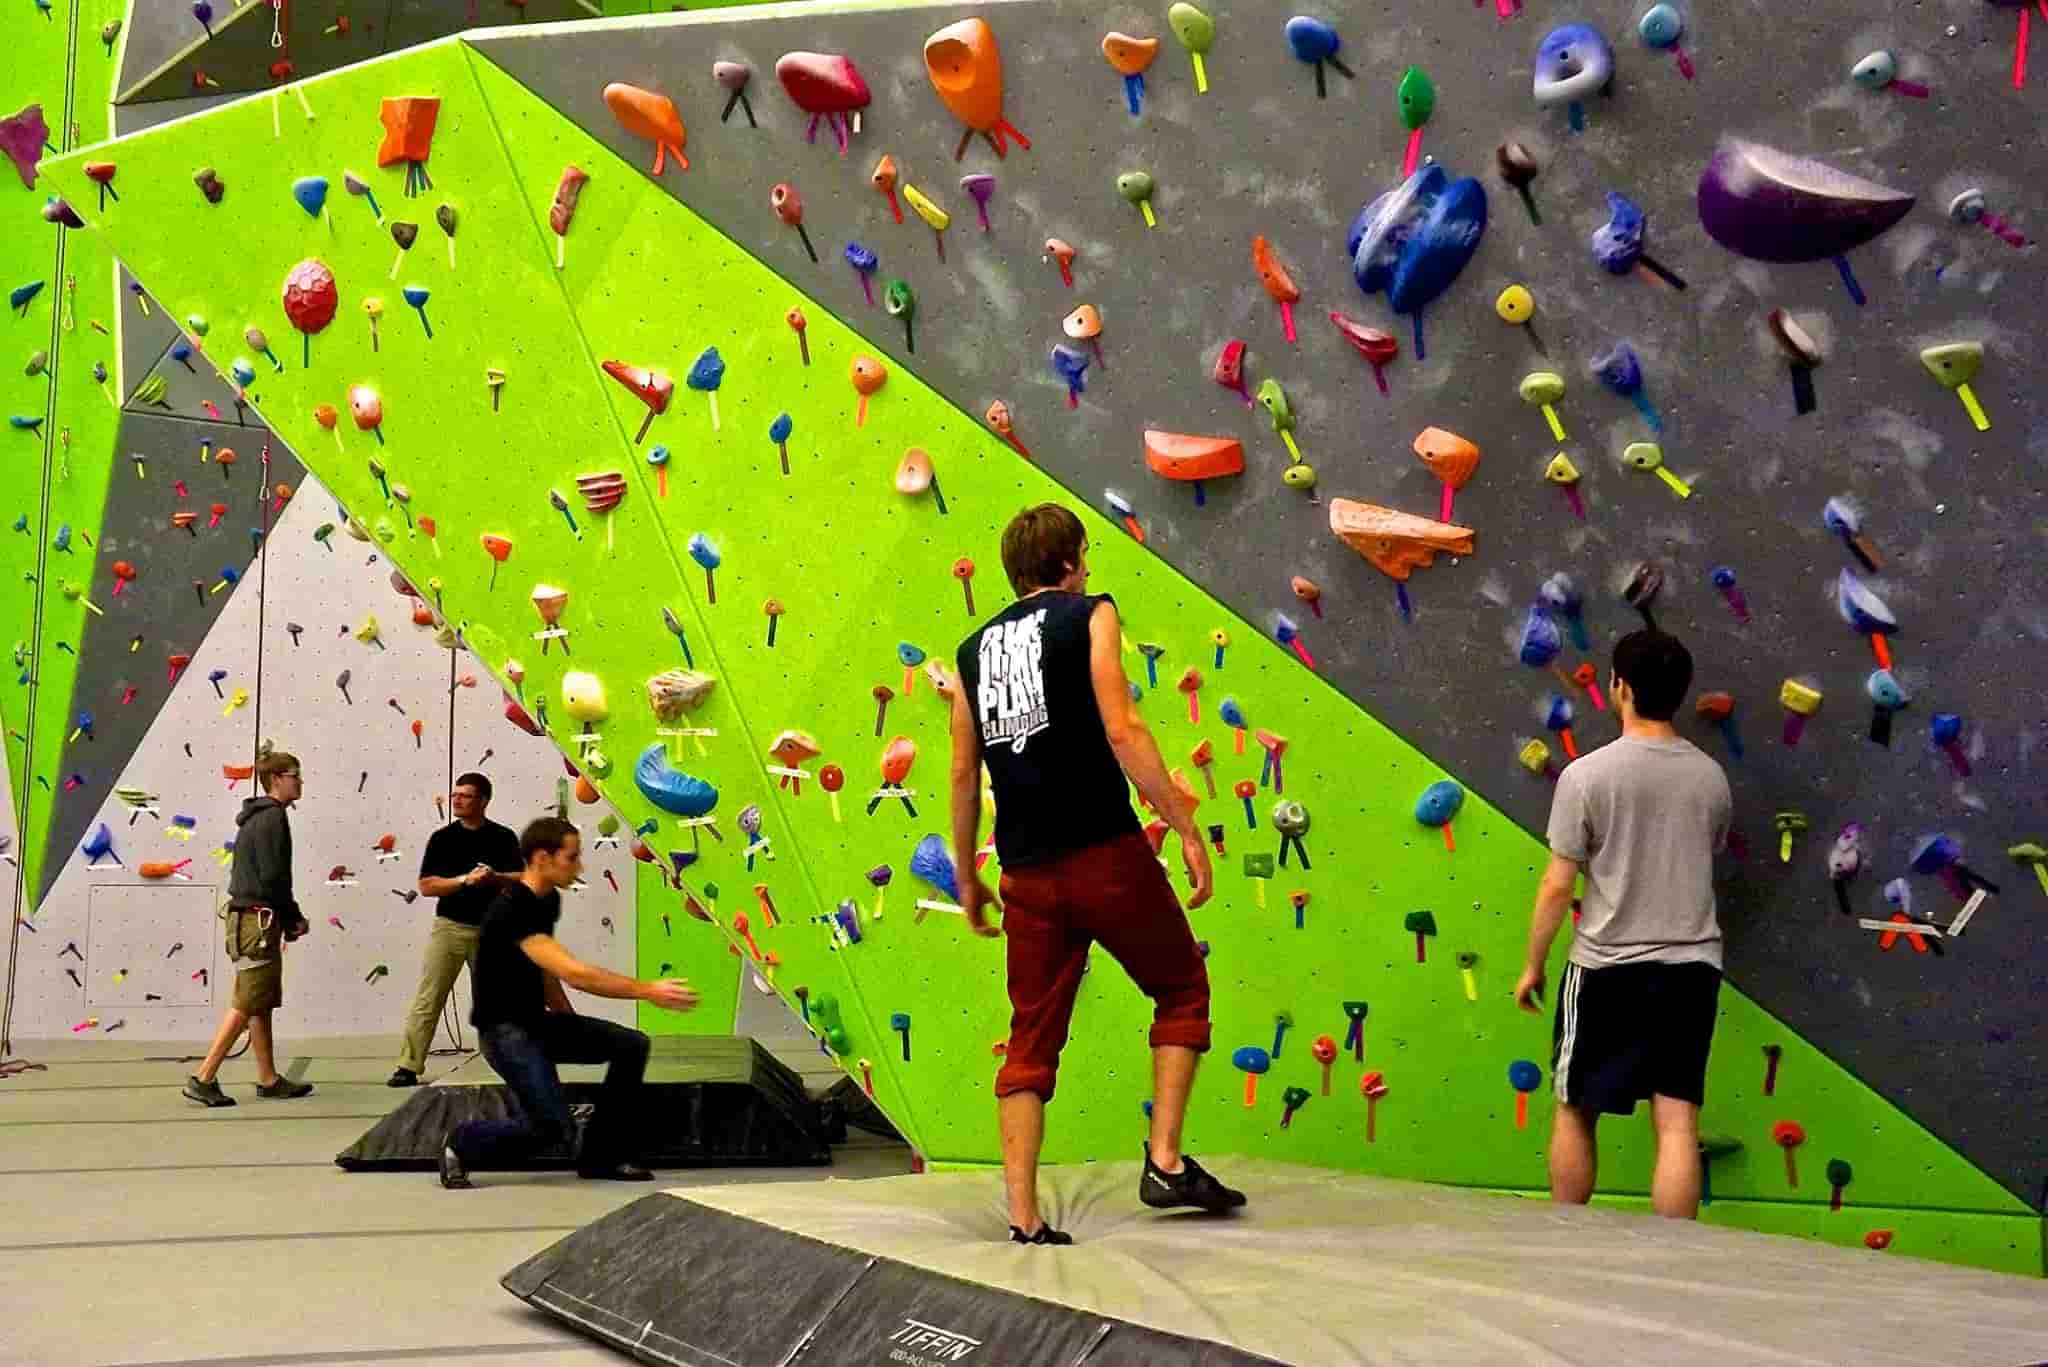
(262, 871)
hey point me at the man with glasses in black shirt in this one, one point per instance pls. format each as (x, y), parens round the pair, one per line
(466, 863)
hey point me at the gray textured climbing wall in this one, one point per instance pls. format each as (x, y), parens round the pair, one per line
(1957, 1040)
(173, 582)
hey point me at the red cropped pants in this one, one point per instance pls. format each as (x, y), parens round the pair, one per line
(1114, 894)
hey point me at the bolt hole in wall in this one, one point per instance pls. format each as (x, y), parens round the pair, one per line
(1440, 680)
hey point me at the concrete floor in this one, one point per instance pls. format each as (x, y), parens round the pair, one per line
(137, 1228)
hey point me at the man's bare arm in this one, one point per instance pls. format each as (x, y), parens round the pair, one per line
(1553, 902)
(966, 783)
(560, 966)
(1129, 737)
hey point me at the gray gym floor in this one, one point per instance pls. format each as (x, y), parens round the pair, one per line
(137, 1228)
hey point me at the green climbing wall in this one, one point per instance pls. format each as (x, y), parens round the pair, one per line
(860, 569)
(60, 63)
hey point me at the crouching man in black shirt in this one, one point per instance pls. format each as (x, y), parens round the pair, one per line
(527, 1026)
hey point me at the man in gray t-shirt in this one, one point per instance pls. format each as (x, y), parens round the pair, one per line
(1641, 819)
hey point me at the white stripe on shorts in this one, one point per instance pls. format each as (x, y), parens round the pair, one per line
(1573, 976)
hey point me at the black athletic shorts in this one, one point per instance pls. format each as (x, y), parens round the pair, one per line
(1625, 1033)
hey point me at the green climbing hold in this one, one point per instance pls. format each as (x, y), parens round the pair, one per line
(1417, 96)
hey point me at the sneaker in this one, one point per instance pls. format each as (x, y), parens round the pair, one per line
(206, 1093)
(454, 1177)
(1191, 1186)
(1046, 1235)
(617, 1172)
(403, 1077)
(284, 1089)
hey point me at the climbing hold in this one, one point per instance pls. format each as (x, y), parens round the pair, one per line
(1315, 42)
(1661, 28)
(645, 114)
(1573, 63)
(1197, 33)
(966, 68)
(670, 788)
(1131, 57)
(1438, 804)
(1136, 188)
(651, 387)
(1396, 543)
(1769, 205)
(1193, 459)
(867, 375)
(1413, 240)
(789, 207)
(1618, 243)
(1954, 365)
(734, 77)
(562, 209)
(310, 299)
(826, 86)
(1451, 458)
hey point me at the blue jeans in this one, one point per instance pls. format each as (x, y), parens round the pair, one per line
(526, 1058)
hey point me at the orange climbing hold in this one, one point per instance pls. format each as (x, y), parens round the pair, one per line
(1180, 456)
(1397, 543)
(1450, 457)
(408, 129)
(645, 114)
(1279, 284)
(966, 68)
(1129, 56)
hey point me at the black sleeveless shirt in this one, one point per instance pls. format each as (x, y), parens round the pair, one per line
(1025, 678)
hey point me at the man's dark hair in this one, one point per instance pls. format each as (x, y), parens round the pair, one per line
(1041, 545)
(1657, 669)
(475, 780)
(544, 835)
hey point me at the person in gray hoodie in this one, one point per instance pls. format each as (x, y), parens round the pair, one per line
(261, 917)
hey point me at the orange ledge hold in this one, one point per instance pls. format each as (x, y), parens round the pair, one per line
(1182, 456)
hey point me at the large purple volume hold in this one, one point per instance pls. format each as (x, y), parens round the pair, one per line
(1772, 206)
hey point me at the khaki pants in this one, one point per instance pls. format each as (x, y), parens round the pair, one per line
(449, 946)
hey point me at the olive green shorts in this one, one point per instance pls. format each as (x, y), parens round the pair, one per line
(256, 936)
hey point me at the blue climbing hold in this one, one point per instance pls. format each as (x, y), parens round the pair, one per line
(669, 788)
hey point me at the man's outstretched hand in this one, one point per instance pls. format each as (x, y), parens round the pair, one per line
(1529, 991)
(1201, 881)
(976, 900)
(671, 994)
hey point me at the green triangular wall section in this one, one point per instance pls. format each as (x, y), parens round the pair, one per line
(68, 454)
(859, 569)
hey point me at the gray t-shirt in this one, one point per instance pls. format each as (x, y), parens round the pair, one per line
(1644, 817)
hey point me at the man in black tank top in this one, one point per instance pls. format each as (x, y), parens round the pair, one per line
(1043, 702)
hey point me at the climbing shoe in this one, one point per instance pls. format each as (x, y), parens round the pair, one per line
(1046, 1235)
(1191, 1186)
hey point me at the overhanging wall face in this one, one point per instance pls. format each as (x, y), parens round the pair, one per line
(623, 295)
(1260, 154)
